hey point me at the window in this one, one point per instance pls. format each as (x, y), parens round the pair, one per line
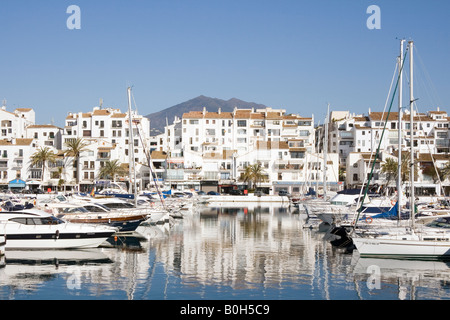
(242, 123)
(304, 133)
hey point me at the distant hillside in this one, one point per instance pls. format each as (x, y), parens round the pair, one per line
(158, 119)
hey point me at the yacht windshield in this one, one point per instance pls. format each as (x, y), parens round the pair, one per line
(72, 210)
(51, 220)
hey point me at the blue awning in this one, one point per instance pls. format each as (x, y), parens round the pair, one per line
(17, 183)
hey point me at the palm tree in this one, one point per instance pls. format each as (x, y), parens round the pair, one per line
(445, 171)
(406, 168)
(111, 169)
(390, 169)
(247, 176)
(253, 174)
(41, 156)
(74, 149)
(258, 174)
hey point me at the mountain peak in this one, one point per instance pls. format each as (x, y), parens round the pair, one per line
(158, 119)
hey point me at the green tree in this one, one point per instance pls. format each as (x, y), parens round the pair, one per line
(445, 171)
(247, 176)
(41, 157)
(111, 169)
(406, 160)
(254, 174)
(390, 169)
(258, 174)
(74, 149)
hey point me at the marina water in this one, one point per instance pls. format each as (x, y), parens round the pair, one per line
(245, 252)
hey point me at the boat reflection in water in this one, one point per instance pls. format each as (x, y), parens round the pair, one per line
(29, 269)
(409, 276)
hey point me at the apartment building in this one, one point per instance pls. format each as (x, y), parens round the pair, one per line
(109, 130)
(14, 160)
(14, 124)
(359, 137)
(210, 150)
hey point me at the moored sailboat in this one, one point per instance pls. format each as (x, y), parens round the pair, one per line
(431, 241)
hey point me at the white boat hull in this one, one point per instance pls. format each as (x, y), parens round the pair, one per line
(54, 236)
(248, 198)
(399, 248)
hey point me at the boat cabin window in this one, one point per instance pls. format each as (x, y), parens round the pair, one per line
(37, 221)
(92, 208)
(440, 223)
(119, 205)
(72, 210)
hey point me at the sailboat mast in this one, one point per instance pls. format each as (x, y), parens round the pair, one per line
(325, 151)
(131, 146)
(400, 92)
(411, 137)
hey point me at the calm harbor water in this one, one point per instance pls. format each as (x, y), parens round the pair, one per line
(221, 253)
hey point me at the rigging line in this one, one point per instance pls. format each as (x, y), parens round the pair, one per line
(382, 117)
(428, 77)
(147, 155)
(381, 139)
(431, 154)
(428, 145)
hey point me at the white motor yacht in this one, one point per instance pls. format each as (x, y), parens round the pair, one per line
(37, 229)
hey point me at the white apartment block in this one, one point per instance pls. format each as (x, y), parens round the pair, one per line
(46, 135)
(356, 139)
(210, 150)
(14, 160)
(14, 124)
(110, 129)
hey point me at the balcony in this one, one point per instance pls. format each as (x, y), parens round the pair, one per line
(346, 135)
(104, 156)
(193, 169)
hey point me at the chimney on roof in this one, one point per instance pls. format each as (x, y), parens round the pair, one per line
(204, 110)
(219, 110)
(437, 108)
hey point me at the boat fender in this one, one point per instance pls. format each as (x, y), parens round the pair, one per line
(57, 234)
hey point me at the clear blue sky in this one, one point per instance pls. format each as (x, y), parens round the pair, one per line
(291, 54)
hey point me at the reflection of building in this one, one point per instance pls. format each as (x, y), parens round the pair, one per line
(243, 248)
